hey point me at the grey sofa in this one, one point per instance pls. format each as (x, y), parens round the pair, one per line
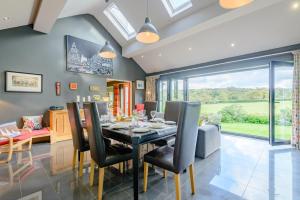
(208, 141)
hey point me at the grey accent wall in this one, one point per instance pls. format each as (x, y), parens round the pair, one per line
(24, 50)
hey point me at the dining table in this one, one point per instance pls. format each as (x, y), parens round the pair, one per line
(136, 139)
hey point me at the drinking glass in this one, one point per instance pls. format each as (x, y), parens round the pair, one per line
(153, 113)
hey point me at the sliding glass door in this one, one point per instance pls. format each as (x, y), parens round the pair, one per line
(177, 90)
(281, 82)
(163, 94)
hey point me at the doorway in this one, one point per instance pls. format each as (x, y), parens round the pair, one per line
(120, 97)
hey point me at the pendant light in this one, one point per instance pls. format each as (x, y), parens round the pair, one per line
(231, 4)
(107, 51)
(148, 33)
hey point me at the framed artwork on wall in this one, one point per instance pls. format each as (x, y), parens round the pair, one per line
(23, 82)
(83, 57)
(140, 85)
(73, 86)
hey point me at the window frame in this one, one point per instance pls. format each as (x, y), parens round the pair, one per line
(175, 11)
(116, 22)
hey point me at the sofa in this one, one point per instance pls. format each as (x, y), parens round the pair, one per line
(208, 141)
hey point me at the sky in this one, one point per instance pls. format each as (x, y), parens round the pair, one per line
(246, 79)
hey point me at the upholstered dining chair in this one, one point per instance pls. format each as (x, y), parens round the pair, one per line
(172, 110)
(103, 155)
(182, 156)
(80, 141)
(150, 106)
(102, 108)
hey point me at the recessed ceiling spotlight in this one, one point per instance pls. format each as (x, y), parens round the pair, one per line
(190, 49)
(296, 5)
(160, 55)
(232, 44)
(5, 18)
(142, 56)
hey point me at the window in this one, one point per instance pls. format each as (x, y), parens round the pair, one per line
(177, 92)
(113, 13)
(163, 95)
(175, 7)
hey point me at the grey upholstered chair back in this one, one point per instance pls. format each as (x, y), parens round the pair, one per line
(102, 108)
(76, 126)
(150, 106)
(186, 137)
(96, 140)
(172, 110)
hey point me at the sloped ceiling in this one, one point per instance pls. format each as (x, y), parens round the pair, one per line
(200, 34)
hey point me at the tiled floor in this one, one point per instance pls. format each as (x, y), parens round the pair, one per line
(242, 169)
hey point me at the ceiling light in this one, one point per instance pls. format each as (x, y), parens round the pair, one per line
(148, 33)
(232, 44)
(295, 5)
(5, 18)
(107, 51)
(160, 55)
(142, 56)
(231, 4)
(190, 48)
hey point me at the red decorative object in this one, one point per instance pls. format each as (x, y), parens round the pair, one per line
(139, 106)
(73, 86)
(57, 88)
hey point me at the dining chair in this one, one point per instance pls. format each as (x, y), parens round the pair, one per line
(182, 156)
(102, 108)
(172, 110)
(80, 140)
(150, 106)
(103, 155)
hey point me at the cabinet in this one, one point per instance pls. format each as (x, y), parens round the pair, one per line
(60, 125)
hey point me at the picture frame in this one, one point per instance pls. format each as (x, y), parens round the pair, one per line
(23, 82)
(140, 85)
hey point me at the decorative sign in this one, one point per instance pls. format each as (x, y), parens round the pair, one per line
(140, 85)
(94, 88)
(23, 82)
(73, 86)
(82, 56)
(96, 97)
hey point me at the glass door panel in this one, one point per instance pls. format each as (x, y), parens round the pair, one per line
(281, 102)
(177, 93)
(163, 95)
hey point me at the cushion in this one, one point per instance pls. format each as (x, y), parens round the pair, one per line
(9, 129)
(33, 122)
(43, 131)
(16, 139)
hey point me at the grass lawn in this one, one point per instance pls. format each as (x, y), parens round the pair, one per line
(259, 108)
(262, 130)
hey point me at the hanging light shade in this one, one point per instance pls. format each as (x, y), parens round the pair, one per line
(231, 4)
(107, 51)
(148, 33)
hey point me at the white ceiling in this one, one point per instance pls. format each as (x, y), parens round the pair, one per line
(205, 28)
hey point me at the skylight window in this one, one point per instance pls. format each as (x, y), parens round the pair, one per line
(114, 14)
(175, 7)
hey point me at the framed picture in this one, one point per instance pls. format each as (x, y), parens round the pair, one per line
(83, 57)
(140, 85)
(73, 86)
(23, 82)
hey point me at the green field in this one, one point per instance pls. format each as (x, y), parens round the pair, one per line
(261, 130)
(259, 108)
(254, 108)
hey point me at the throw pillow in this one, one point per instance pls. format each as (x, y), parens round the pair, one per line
(33, 122)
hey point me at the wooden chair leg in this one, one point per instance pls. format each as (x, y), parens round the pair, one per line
(121, 167)
(81, 164)
(165, 173)
(145, 176)
(92, 172)
(74, 158)
(100, 183)
(177, 185)
(192, 178)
